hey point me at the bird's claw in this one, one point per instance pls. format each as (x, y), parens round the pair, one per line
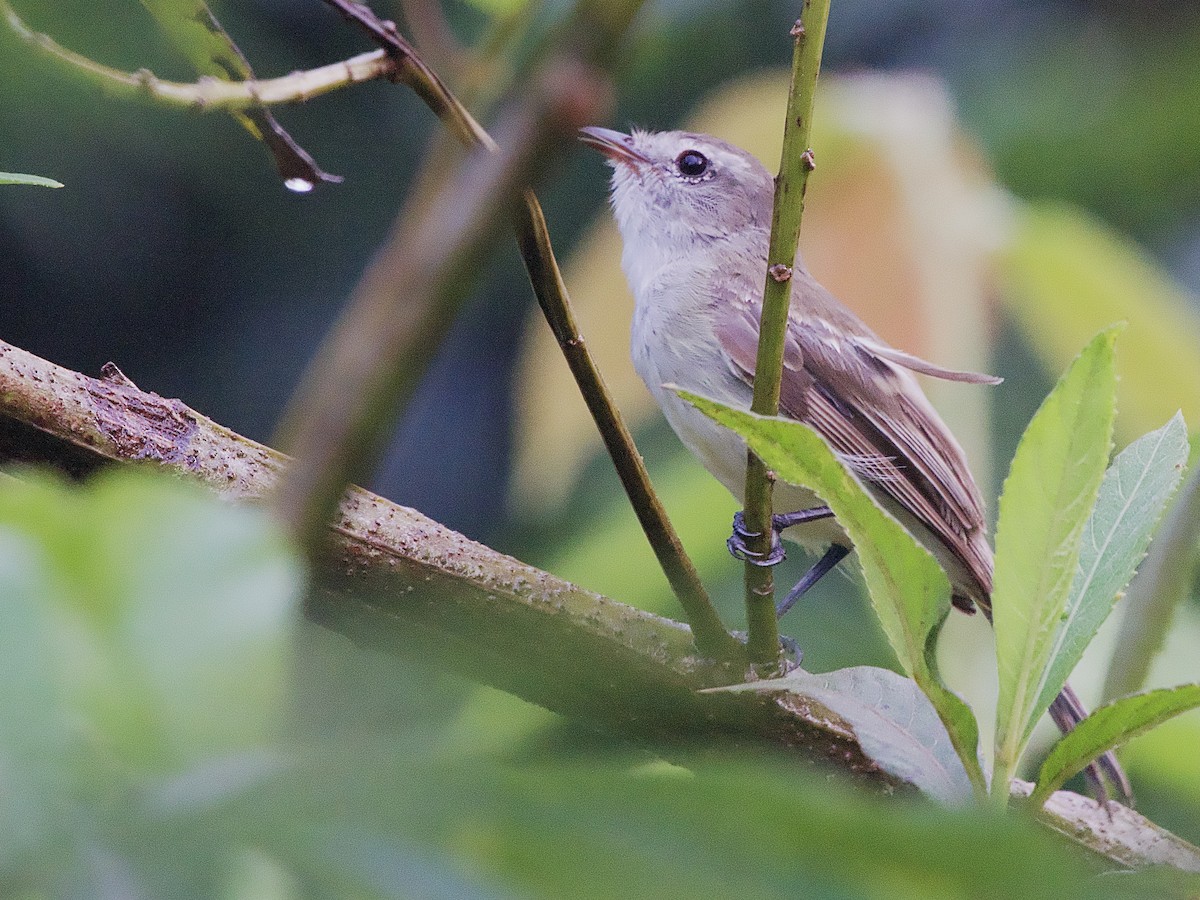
(739, 550)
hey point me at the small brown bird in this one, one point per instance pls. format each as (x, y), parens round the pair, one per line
(694, 214)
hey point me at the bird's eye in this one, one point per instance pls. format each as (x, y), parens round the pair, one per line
(691, 163)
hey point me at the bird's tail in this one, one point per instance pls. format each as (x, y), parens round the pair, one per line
(1067, 711)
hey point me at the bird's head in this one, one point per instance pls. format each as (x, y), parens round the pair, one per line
(679, 188)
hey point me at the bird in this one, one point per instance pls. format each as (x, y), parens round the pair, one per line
(694, 213)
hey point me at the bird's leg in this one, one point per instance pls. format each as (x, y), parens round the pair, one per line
(1067, 712)
(737, 540)
(834, 555)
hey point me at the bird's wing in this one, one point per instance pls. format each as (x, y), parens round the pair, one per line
(876, 418)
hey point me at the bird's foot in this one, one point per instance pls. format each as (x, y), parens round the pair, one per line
(779, 523)
(739, 550)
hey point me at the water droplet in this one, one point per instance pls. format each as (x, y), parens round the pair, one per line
(299, 185)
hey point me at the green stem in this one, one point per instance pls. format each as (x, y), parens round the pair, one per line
(1003, 769)
(762, 645)
(796, 163)
(1012, 738)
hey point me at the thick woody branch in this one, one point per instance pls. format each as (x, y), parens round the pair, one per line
(395, 579)
(400, 582)
(398, 61)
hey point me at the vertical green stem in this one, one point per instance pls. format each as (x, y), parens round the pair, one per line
(1003, 770)
(795, 165)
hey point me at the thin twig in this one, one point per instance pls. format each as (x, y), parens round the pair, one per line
(398, 61)
(415, 73)
(795, 165)
(212, 94)
(195, 33)
(534, 238)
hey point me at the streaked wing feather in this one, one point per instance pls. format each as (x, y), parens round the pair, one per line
(872, 466)
(877, 419)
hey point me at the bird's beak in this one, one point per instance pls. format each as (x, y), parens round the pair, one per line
(616, 146)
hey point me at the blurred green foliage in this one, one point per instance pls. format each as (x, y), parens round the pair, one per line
(1098, 111)
(158, 742)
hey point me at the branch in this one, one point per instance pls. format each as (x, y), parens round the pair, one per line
(1112, 831)
(241, 98)
(398, 62)
(315, 491)
(210, 94)
(795, 165)
(398, 581)
(416, 74)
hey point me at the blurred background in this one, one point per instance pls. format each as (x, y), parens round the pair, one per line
(996, 182)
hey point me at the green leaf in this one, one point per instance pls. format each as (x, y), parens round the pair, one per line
(1107, 728)
(13, 178)
(1131, 501)
(1047, 499)
(908, 589)
(608, 827)
(1164, 581)
(173, 608)
(34, 772)
(894, 722)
